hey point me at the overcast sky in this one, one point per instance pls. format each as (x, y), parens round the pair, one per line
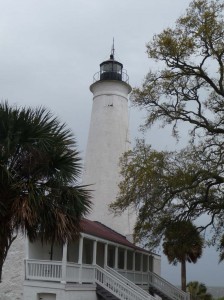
(50, 50)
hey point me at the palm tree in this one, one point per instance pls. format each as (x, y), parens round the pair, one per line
(39, 172)
(182, 242)
(198, 291)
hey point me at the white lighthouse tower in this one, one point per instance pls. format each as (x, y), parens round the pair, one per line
(108, 140)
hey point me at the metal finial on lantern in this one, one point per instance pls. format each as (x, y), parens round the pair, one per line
(112, 51)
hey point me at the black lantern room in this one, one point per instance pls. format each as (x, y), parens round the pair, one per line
(111, 69)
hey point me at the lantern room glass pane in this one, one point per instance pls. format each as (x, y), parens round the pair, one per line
(107, 67)
(117, 68)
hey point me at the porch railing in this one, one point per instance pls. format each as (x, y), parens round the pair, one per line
(124, 278)
(80, 273)
(52, 271)
(43, 270)
(139, 278)
(118, 287)
(166, 288)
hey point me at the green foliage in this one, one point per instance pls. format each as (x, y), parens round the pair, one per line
(164, 187)
(198, 291)
(144, 181)
(192, 56)
(187, 87)
(39, 172)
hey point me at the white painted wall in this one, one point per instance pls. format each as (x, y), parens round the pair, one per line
(78, 292)
(157, 264)
(13, 271)
(108, 140)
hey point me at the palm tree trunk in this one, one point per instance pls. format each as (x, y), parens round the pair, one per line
(183, 275)
(6, 239)
(2, 253)
(1, 266)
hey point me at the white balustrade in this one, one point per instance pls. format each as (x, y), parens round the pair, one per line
(52, 271)
(140, 278)
(121, 283)
(123, 276)
(43, 270)
(167, 288)
(117, 287)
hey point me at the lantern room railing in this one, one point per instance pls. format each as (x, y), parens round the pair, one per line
(111, 75)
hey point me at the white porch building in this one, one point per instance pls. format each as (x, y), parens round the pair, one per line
(70, 271)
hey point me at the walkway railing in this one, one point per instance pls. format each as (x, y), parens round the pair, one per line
(137, 277)
(166, 288)
(118, 287)
(129, 283)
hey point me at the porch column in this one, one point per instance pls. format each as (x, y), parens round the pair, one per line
(94, 252)
(64, 262)
(105, 255)
(125, 259)
(27, 247)
(27, 253)
(80, 257)
(80, 249)
(116, 258)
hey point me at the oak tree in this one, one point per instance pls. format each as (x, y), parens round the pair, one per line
(186, 87)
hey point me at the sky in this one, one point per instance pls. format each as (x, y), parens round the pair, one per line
(50, 50)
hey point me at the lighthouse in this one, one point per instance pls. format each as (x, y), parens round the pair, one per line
(107, 141)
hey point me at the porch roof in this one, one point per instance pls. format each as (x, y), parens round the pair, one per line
(100, 230)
